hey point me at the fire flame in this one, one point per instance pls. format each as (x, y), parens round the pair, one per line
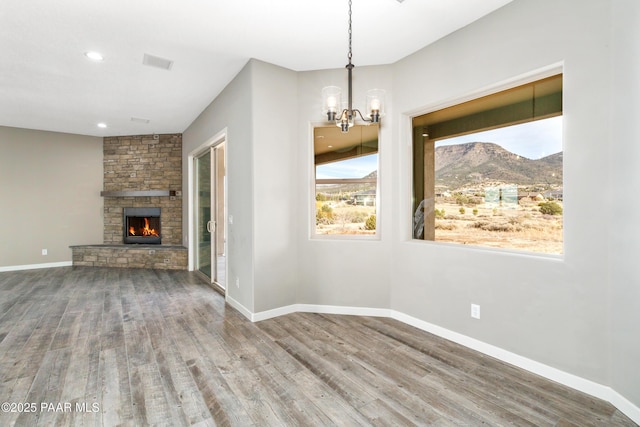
(146, 231)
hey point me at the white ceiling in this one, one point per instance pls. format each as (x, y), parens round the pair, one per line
(47, 83)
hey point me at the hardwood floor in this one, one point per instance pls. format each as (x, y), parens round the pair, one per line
(105, 347)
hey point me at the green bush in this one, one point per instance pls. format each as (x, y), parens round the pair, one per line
(475, 212)
(358, 216)
(462, 211)
(550, 208)
(440, 214)
(324, 215)
(370, 223)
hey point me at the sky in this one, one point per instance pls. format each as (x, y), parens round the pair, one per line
(532, 140)
(358, 167)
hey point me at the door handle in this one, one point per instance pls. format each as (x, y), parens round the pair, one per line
(211, 226)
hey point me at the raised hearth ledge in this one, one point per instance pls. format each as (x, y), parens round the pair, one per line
(141, 193)
(164, 257)
(130, 246)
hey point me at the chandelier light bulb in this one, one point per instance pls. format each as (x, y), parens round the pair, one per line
(375, 104)
(332, 102)
(331, 96)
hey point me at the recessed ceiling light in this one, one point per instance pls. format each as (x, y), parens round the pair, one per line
(94, 56)
(102, 125)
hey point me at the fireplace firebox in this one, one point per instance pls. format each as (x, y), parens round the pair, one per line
(141, 225)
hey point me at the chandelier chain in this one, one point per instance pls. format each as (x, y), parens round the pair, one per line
(350, 55)
(332, 101)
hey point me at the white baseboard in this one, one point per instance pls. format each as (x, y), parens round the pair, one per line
(321, 309)
(624, 406)
(578, 383)
(241, 308)
(570, 380)
(36, 266)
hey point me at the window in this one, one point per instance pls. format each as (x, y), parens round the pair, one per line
(346, 180)
(488, 172)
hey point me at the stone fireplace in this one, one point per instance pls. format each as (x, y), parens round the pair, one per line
(143, 172)
(142, 180)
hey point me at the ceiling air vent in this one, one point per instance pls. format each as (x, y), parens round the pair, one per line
(156, 61)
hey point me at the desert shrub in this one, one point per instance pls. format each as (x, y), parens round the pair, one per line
(491, 226)
(370, 223)
(515, 220)
(463, 199)
(324, 215)
(440, 214)
(321, 197)
(475, 212)
(358, 216)
(440, 225)
(550, 208)
(462, 211)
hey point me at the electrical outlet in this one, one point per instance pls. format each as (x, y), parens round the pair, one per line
(44, 252)
(475, 311)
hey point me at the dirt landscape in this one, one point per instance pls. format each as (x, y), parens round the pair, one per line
(345, 218)
(523, 228)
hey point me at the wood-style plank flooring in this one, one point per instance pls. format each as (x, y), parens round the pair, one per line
(119, 347)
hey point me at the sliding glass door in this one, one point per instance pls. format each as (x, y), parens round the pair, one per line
(210, 213)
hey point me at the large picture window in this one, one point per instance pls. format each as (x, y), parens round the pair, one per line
(488, 172)
(346, 180)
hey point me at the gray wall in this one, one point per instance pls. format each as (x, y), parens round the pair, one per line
(49, 195)
(579, 312)
(343, 271)
(275, 181)
(554, 311)
(256, 109)
(233, 110)
(624, 149)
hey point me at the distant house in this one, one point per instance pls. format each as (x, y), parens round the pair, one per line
(365, 198)
(501, 196)
(553, 194)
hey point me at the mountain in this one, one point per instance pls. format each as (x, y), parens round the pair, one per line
(474, 162)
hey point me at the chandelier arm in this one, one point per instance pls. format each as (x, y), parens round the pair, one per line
(363, 118)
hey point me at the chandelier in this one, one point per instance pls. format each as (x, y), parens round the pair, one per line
(331, 96)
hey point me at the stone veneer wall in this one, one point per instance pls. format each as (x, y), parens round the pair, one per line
(139, 163)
